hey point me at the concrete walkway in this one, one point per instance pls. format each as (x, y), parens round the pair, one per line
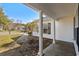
(23, 38)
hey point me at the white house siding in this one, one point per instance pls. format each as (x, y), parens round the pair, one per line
(46, 35)
(64, 29)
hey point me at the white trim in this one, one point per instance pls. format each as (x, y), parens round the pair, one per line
(76, 48)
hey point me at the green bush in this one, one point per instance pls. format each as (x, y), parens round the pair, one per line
(30, 33)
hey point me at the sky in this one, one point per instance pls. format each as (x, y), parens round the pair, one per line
(19, 12)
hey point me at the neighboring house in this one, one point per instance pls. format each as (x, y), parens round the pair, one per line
(20, 28)
(16, 26)
(1, 27)
(12, 26)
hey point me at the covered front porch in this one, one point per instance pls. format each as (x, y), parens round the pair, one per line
(63, 29)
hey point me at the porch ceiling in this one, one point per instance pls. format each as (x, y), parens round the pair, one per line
(55, 10)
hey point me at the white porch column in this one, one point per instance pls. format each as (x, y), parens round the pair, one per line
(54, 33)
(41, 34)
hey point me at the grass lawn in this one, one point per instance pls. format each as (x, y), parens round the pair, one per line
(5, 39)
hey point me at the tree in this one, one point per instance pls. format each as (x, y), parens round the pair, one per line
(30, 27)
(4, 20)
(1, 16)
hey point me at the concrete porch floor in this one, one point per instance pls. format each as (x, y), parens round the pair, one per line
(61, 48)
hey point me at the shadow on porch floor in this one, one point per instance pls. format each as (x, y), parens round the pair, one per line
(61, 48)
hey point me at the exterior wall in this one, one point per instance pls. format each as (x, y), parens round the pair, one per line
(44, 34)
(64, 29)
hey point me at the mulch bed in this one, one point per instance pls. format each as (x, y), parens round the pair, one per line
(31, 47)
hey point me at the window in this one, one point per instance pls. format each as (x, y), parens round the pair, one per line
(47, 28)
